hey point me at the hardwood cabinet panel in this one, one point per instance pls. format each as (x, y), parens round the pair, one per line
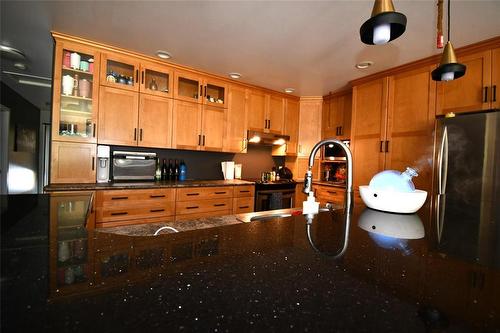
(495, 79)
(213, 128)
(336, 116)
(118, 116)
(188, 87)
(186, 125)
(310, 125)
(201, 193)
(117, 213)
(468, 92)
(73, 162)
(155, 121)
(119, 64)
(329, 194)
(128, 197)
(292, 126)
(243, 205)
(257, 110)
(276, 114)
(202, 206)
(236, 120)
(156, 79)
(244, 191)
(215, 93)
(193, 216)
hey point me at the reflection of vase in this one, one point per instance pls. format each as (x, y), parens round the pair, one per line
(153, 85)
(63, 253)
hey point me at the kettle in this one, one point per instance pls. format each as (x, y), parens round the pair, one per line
(285, 173)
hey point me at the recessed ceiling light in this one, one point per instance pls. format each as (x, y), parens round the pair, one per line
(20, 65)
(234, 75)
(163, 54)
(18, 54)
(289, 90)
(364, 64)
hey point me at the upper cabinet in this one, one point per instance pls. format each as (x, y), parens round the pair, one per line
(119, 71)
(235, 139)
(215, 93)
(476, 90)
(75, 93)
(188, 87)
(292, 118)
(266, 112)
(336, 116)
(257, 110)
(156, 79)
(276, 114)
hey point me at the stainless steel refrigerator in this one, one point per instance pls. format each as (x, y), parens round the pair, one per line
(468, 186)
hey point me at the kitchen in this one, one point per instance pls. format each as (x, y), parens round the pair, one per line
(388, 116)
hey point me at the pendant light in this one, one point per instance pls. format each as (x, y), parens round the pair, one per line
(449, 69)
(384, 25)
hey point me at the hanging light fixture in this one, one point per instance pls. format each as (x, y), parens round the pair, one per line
(449, 68)
(384, 25)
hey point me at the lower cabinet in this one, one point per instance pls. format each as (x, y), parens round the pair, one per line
(243, 199)
(329, 194)
(73, 162)
(197, 202)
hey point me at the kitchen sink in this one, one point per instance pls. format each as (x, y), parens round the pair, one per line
(268, 217)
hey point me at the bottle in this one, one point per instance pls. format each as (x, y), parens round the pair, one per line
(393, 180)
(164, 171)
(182, 171)
(158, 170)
(176, 170)
(170, 170)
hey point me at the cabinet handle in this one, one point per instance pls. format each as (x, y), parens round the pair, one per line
(93, 163)
(140, 134)
(136, 76)
(119, 213)
(203, 140)
(332, 192)
(244, 191)
(269, 127)
(485, 94)
(241, 207)
(387, 146)
(205, 92)
(494, 93)
(201, 90)
(192, 194)
(224, 192)
(199, 140)
(93, 130)
(341, 130)
(157, 196)
(192, 207)
(142, 77)
(381, 145)
(157, 210)
(135, 134)
(219, 205)
(119, 198)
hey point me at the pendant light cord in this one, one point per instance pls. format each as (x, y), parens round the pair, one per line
(449, 1)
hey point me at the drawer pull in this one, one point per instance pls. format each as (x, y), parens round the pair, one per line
(332, 192)
(241, 207)
(119, 213)
(244, 191)
(219, 205)
(157, 195)
(119, 198)
(192, 207)
(156, 210)
(224, 192)
(191, 194)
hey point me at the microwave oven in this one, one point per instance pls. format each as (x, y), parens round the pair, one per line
(331, 152)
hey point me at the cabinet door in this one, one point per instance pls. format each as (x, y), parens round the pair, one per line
(213, 128)
(470, 92)
(75, 93)
(236, 120)
(276, 114)
(257, 111)
(328, 124)
(310, 125)
(118, 116)
(73, 162)
(495, 79)
(156, 80)
(119, 71)
(292, 126)
(186, 125)
(188, 87)
(345, 105)
(215, 93)
(368, 129)
(337, 118)
(410, 124)
(155, 121)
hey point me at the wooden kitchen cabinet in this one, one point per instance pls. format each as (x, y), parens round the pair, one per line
(310, 124)
(266, 112)
(119, 71)
(73, 162)
(212, 128)
(156, 79)
(292, 118)
(215, 93)
(329, 195)
(336, 116)
(155, 121)
(196, 202)
(476, 90)
(188, 87)
(276, 114)
(235, 139)
(243, 199)
(257, 111)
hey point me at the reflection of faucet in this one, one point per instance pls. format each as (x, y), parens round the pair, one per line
(308, 177)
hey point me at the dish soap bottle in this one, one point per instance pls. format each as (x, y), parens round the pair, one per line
(394, 181)
(182, 171)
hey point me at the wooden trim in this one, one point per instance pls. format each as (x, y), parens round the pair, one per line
(58, 36)
(432, 60)
(311, 98)
(337, 93)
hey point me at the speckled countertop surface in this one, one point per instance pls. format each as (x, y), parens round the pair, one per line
(323, 182)
(143, 185)
(225, 275)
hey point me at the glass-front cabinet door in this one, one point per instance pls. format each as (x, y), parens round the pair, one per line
(215, 93)
(188, 87)
(119, 71)
(156, 80)
(75, 93)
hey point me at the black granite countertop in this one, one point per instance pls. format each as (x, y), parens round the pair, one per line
(124, 185)
(226, 275)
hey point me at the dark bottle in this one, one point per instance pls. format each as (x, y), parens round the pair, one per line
(182, 171)
(164, 171)
(176, 170)
(158, 170)
(170, 170)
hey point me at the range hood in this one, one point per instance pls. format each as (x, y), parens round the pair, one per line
(268, 139)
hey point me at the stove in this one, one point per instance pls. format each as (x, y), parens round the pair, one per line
(274, 195)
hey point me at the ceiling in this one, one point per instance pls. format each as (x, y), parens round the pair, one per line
(311, 46)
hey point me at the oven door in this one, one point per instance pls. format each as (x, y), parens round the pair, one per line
(274, 199)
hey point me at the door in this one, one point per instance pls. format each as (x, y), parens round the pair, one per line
(212, 128)
(119, 71)
(236, 120)
(215, 93)
(345, 109)
(410, 124)
(495, 79)
(73, 162)
(292, 126)
(155, 121)
(186, 125)
(188, 87)
(156, 80)
(257, 111)
(276, 114)
(470, 92)
(368, 130)
(118, 117)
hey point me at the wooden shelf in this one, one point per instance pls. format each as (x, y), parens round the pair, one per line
(77, 71)
(89, 113)
(77, 97)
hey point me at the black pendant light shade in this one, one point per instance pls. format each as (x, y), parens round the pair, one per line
(397, 22)
(457, 69)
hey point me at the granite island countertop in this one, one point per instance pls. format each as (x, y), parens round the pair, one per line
(127, 185)
(271, 275)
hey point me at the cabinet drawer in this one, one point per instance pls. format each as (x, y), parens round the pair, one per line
(197, 193)
(330, 194)
(121, 212)
(244, 191)
(109, 224)
(202, 206)
(243, 205)
(194, 216)
(134, 197)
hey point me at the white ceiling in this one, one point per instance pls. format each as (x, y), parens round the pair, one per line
(311, 46)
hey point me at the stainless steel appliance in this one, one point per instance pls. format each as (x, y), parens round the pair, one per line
(333, 152)
(468, 185)
(103, 164)
(274, 195)
(129, 165)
